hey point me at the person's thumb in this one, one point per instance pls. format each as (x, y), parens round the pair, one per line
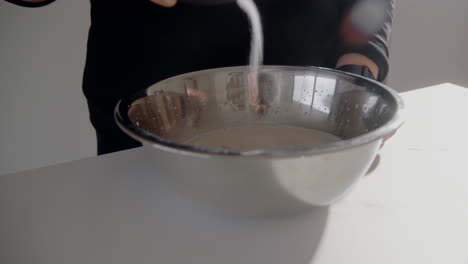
(165, 3)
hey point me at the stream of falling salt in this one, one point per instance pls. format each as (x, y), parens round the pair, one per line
(256, 44)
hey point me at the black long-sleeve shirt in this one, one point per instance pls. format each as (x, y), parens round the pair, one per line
(135, 43)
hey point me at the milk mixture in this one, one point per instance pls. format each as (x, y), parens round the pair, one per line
(266, 137)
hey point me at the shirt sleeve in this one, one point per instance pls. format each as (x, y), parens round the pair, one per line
(377, 49)
(30, 4)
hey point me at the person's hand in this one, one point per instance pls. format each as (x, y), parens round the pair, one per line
(363, 21)
(358, 59)
(30, 3)
(165, 3)
(387, 138)
(376, 161)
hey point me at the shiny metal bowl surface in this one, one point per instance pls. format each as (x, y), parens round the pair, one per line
(360, 111)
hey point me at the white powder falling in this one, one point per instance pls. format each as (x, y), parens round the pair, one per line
(256, 44)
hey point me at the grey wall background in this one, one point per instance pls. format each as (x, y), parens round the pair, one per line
(43, 115)
(429, 43)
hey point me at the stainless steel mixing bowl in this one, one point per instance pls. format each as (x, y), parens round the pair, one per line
(360, 111)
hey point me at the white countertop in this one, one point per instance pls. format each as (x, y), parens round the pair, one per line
(113, 209)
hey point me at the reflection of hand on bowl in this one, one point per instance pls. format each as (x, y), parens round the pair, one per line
(192, 90)
(256, 98)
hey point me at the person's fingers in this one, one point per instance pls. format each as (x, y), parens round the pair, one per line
(387, 138)
(374, 164)
(165, 3)
(202, 96)
(390, 135)
(364, 20)
(351, 35)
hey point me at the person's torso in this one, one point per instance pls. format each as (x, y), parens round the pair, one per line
(135, 43)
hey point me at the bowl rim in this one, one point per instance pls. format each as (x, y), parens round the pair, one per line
(123, 121)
